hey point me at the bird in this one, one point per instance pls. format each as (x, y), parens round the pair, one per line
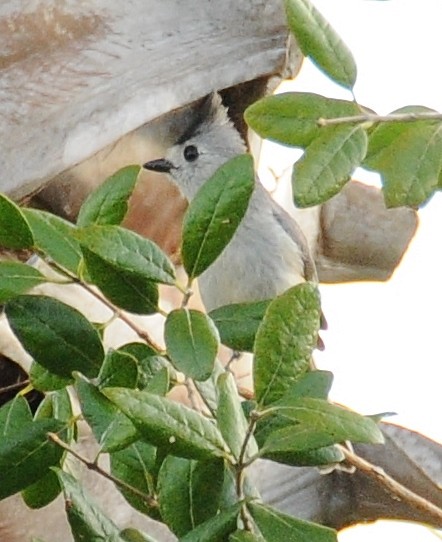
(268, 253)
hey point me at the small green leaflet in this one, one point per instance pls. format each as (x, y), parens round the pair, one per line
(318, 40)
(215, 213)
(108, 204)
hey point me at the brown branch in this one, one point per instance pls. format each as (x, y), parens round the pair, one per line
(142, 334)
(91, 465)
(374, 119)
(394, 487)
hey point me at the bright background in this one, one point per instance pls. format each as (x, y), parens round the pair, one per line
(383, 343)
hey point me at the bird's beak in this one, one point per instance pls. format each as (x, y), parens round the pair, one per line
(161, 165)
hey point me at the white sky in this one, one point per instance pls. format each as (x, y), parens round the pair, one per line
(383, 343)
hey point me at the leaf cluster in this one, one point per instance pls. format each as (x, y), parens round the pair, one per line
(337, 136)
(187, 467)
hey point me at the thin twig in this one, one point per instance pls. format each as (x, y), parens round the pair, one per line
(91, 465)
(15, 386)
(116, 311)
(397, 489)
(372, 118)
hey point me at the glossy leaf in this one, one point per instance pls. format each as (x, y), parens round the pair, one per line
(134, 535)
(43, 379)
(112, 429)
(123, 288)
(327, 164)
(56, 335)
(208, 388)
(163, 422)
(319, 41)
(238, 323)
(87, 521)
(285, 341)
(231, 420)
(189, 492)
(118, 369)
(127, 252)
(278, 527)
(108, 204)
(159, 384)
(42, 492)
(291, 118)
(149, 362)
(15, 232)
(328, 455)
(27, 454)
(136, 465)
(215, 213)
(13, 415)
(408, 156)
(314, 384)
(17, 278)
(245, 536)
(316, 424)
(217, 528)
(191, 342)
(53, 236)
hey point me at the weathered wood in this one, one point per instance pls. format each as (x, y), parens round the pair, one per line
(76, 76)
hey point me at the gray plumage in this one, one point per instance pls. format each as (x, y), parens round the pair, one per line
(268, 253)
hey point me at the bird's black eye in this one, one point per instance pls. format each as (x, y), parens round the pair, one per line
(191, 153)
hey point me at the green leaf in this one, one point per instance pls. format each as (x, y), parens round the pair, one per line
(316, 424)
(217, 528)
(53, 236)
(291, 118)
(112, 429)
(319, 41)
(27, 454)
(127, 252)
(278, 527)
(245, 536)
(17, 278)
(136, 465)
(285, 340)
(307, 458)
(42, 492)
(191, 342)
(87, 521)
(108, 204)
(123, 288)
(163, 422)
(215, 213)
(149, 363)
(56, 405)
(189, 492)
(231, 420)
(118, 369)
(13, 415)
(43, 379)
(238, 323)
(409, 157)
(208, 388)
(314, 384)
(14, 228)
(56, 335)
(159, 384)
(328, 164)
(134, 535)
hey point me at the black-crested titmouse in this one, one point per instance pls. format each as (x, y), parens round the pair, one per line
(268, 252)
